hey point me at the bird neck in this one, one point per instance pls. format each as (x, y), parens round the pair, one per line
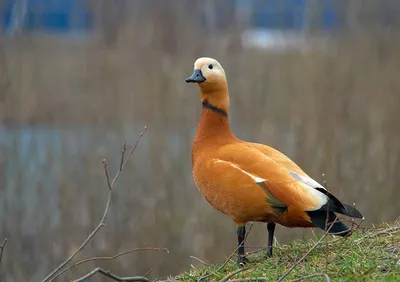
(213, 125)
(215, 96)
(213, 130)
(216, 109)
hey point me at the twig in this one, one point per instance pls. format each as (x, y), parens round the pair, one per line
(353, 229)
(1, 251)
(112, 276)
(324, 181)
(101, 223)
(326, 222)
(148, 272)
(260, 279)
(230, 275)
(202, 261)
(233, 253)
(106, 173)
(229, 258)
(118, 255)
(389, 231)
(106, 258)
(129, 155)
(326, 277)
(121, 165)
(306, 254)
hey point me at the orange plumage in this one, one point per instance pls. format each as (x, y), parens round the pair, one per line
(251, 181)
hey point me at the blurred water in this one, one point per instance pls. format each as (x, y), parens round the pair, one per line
(36, 156)
(43, 168)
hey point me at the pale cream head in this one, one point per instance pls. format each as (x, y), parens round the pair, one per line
(210, 77)
(210, 68)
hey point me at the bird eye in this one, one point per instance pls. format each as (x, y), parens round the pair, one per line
(210, 67)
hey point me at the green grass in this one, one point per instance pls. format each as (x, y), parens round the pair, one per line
(368, 255)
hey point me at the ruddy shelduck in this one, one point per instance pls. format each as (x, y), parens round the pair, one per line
(251, 181)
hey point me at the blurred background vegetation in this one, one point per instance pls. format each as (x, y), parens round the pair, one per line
(319, 80)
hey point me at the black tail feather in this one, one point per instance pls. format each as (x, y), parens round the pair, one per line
(336, 206)
(318, 218)
(351, 211)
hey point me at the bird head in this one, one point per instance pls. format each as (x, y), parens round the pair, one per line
(211, 79)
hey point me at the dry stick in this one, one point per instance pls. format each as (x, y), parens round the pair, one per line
(106, 258)
(148, 272)
(326, 277)
(202, 261)
(260, 279)
(101, 223)
(230, 275)
(1, 251)
(326, 225)
(261, 249)
(229, 258)
(352, 229)
(326, 222)
(393, 229)
(309, 251)
(112, 276)
(121, 165)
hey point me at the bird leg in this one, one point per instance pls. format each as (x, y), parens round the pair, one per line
(241, 233)
(271, 229)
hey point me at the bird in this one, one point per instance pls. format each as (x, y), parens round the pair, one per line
(251, 181)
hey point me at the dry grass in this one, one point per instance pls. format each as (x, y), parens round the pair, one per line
(368, 255)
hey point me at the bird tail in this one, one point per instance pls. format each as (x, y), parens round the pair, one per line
(350, 211)
(327, 220)
(336, 206)
(325, 217)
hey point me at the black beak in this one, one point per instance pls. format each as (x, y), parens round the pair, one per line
(197, 77)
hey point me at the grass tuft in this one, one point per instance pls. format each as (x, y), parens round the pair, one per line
(370, 254)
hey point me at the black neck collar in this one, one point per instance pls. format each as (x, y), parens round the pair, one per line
(213, 108)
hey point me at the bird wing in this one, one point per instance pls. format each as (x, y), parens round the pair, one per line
(280, 158)
(284, 187)
(294, 170)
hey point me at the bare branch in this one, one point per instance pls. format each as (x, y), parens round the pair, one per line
(1, 251)
(202, 261)
(129, 156)
(122, 156)
(324, 181)
(106, 173)
(388, 231)
(306, 254)
(259, 279)
(106, 258)
(229, 258)
(328, 207)
(148, 272)
(325, 276)
(230, 275)
(112, 276)
(119, 255)
(101, 223)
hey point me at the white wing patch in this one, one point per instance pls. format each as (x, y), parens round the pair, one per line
(311, 184)
(308, 183)
(306, 180)
(270, 199)
(254, 177)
